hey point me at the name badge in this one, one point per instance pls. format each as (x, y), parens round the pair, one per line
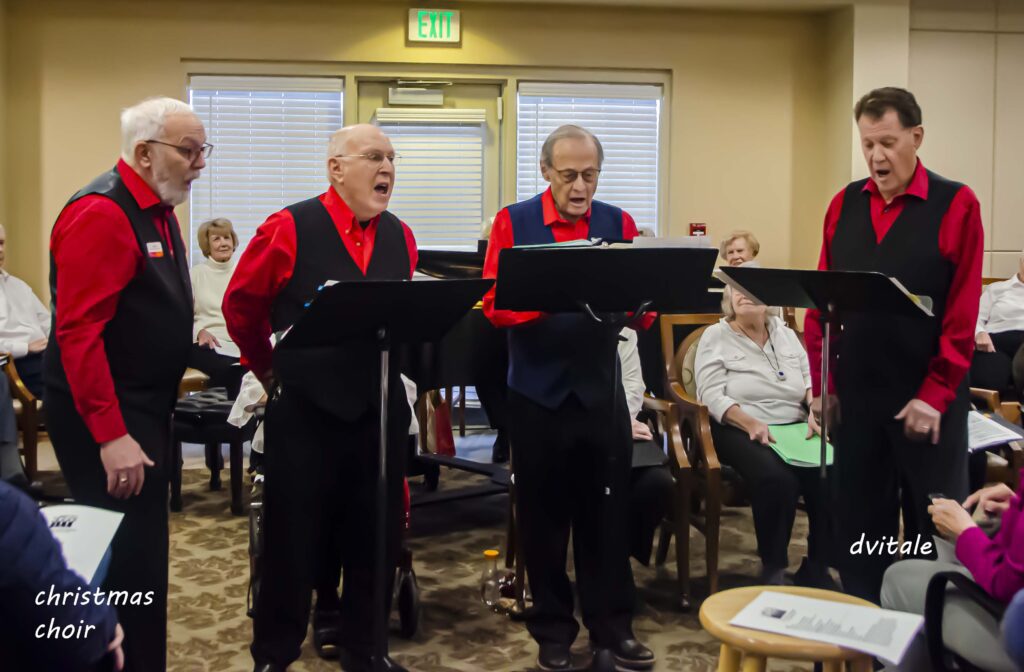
(155, 249)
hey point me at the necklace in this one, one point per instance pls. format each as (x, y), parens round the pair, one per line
(780, 375)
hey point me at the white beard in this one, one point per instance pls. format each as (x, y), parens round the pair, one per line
(171, 195)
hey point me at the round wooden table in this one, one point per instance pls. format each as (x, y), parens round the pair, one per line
(754, 647)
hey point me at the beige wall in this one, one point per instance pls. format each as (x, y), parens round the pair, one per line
(747, 100)
(967, 69)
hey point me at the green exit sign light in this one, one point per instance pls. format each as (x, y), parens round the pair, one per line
(434, 25)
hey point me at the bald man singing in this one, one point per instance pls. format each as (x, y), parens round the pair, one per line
(322, 428)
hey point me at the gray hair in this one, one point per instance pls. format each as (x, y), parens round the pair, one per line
(145, 121)
(568, 131)
(730, 314)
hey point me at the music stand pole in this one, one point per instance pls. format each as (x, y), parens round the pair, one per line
(379, 575)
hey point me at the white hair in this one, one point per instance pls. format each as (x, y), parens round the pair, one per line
(145, 121)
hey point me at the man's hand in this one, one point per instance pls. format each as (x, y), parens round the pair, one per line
(115, 648)
(758, 431)
(920, 421)
(38, 346)
(983, 342)
(641, 432)
(993, 500)
(207, 340)
(813, 428)
(125, 462)
(950, 518)
(834, 416)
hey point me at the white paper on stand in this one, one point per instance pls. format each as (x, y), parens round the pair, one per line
(880, 632)
(984, 432)
(84, 534)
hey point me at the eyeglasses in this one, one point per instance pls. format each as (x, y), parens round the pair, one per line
(189, 152)
(372, 157)
(569, 176)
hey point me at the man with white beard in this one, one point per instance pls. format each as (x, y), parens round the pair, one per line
(122, 329)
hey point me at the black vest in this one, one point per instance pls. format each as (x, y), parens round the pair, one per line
(886, 359)
(566, 353)
(147, 341)
(342, 381)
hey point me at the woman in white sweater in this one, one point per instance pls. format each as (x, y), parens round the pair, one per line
(752, 372)
(213, 352)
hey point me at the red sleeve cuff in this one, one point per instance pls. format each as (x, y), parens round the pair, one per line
(935, 395)
(105, 425)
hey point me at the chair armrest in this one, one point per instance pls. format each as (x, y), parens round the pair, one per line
(696, 414)
(18, 389)
(935, 602)
(988, 397)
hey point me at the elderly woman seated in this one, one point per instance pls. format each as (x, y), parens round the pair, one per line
(999, 334)
(752, 372)
(213, 352)
(996, 564)
(739, 247)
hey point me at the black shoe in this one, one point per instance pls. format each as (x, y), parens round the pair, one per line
(554, 657)
(499, 452)
(815, 575)
(632, 655)
(354, 663)
(326, 633)
(268, 667)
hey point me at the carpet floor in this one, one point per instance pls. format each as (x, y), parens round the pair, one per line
(209, 573)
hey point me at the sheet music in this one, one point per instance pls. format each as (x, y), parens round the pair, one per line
(84, 533)
(984, 432)
(880, 632)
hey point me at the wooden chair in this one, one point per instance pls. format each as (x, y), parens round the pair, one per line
(714, 486)
(1013, 452)
(29, 413)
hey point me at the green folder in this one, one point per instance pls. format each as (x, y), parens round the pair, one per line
(793, 446)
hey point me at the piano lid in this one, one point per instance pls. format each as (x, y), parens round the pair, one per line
(450, 265)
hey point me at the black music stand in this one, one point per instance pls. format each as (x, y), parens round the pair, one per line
(830, 292)
(604, 283)
(386, 312)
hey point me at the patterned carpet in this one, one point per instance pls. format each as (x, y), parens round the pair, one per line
(209, 573)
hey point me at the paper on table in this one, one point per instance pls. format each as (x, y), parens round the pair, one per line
(793, 446)
(880, 632)
(983, 432)
(84, 533)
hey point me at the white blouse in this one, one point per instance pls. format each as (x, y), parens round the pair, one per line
(731, 369)
(209, 283)
(1001, 307)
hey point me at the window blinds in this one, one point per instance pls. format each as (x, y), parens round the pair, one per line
(270, 147)
(625, 118)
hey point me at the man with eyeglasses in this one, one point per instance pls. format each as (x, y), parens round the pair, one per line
(322, 426)
(571, 455)
(122, 329)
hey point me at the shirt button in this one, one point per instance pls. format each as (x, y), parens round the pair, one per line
(358, 244)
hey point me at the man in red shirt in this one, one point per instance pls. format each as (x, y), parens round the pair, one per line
(900, 382)
(122, 317)
(570, 434)
(322, 427)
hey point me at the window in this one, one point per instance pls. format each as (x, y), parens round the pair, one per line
(624, 118)
(270, 147)
(439, 192)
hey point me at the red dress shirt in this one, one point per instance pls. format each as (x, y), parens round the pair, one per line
(267, 264)
(97, 255)
(961, 242)
(563, 230)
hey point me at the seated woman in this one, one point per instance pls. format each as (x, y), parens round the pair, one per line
(739, 247)
(996, 564)
(999, 334)
(751, 372)
(213, 352)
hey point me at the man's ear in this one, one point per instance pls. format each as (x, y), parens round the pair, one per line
(918, 134)
(545, 171)
(143, 154)
(336, 170)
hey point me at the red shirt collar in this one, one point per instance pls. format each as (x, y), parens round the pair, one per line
(339, 209)
(918, 184)
(137, 187)
(551, 215)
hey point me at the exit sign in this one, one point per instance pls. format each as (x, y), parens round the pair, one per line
(434, 25)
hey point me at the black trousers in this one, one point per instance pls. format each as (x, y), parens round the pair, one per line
(565, 462)
(138, 562)
(881, 473)
(993, 370)
(220, 368)
(30, 370)
(774, 488)
(320, 478)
